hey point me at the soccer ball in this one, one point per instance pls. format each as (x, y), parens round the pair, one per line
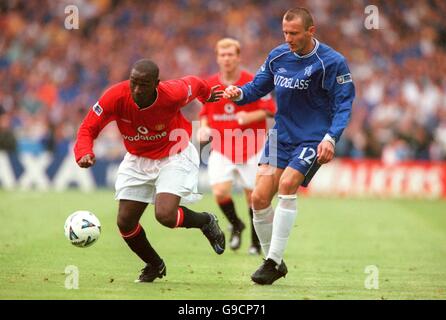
(82, 228)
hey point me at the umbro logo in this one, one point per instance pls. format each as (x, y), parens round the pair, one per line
(281, 70)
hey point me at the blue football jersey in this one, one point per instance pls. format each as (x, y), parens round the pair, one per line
(314, 92)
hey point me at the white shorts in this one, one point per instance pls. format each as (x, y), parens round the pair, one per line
(140, 179)
(221, 169)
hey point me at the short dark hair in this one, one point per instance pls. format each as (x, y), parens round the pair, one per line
(147, 67)
(302, 13)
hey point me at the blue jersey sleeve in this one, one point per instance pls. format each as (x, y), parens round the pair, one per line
(261, 85)
(341, 91)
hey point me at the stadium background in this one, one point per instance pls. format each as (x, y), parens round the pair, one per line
(395, 145)
(51, 75)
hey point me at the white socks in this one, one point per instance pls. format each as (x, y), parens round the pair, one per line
(284, 217)
(263, 224)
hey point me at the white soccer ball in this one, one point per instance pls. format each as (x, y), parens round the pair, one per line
(82, 228)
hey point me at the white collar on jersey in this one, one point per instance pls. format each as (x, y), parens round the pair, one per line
(316, 46)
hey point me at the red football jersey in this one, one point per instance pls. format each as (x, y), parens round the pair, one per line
(237, 142)
(154, 132)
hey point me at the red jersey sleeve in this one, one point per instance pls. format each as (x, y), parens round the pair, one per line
(195, 88)
(97, 118)
(184, 90)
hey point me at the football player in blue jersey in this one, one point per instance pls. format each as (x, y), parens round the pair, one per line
(314, 92)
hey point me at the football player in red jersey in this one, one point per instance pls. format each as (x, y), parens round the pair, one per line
(238, 135)
(161, 165)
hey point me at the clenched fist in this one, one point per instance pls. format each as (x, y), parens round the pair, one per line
(86, 161)
(232, 92)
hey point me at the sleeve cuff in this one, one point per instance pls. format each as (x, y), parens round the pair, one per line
(328, 138)
(240, 97)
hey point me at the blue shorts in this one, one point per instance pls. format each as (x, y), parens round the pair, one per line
(301, 157)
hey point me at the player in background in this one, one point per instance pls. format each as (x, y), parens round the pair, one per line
(314, 92)
(239, 157)
(161, 165)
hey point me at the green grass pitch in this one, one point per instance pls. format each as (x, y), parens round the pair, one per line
(332, 243)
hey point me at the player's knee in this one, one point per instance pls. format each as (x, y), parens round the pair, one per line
(166, 216)
(221, 195)
(287, 186)
(222, 198)
(259, 201)
(125, 224)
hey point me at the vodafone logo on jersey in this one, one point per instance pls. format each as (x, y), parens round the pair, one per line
(143, 135)
(143, 130)
(229, 114)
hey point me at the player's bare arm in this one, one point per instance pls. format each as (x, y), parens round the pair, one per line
(86, 161)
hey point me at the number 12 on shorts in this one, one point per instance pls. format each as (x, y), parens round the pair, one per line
(307, 156)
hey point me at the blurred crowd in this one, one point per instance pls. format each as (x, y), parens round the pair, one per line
(52, 75)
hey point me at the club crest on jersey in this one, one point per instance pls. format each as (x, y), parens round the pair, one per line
(97, 108)
(308, 70)
(159, 126)
(344, 78)
(229, 108)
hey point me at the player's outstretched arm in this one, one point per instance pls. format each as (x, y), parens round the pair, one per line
(86, 161)
(96, 119)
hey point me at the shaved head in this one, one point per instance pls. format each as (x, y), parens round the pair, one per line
(146, 68)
